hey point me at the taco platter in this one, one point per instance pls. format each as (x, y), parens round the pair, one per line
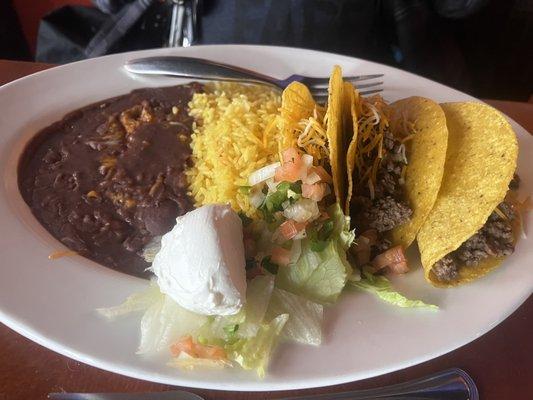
(279, 205)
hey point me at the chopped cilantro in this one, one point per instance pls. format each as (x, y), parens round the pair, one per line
(245, 219)
(319, 238)
(244, 189)
(231, 329)
(285, 191)
(269, 265)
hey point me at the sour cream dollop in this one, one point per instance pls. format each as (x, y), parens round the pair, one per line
(201, 264)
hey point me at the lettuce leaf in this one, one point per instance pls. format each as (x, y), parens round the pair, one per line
(341, 229)
(254, 353)
(305, 317)
(319, 275)
(381, 287)
(185, 361)
(164, 322)
(247, 321)
(137, 302)
(247, 337)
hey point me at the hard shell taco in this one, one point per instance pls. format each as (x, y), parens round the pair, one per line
(470, 228)
(399, 152)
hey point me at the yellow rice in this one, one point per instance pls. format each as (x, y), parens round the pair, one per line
(235, 133)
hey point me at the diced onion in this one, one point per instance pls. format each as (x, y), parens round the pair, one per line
(302, 211)
(256, 198)
(393, 259)
(308, 160)
(300, 235)
(296, 251)
(313, 177)
(262, 174)
(271, 185)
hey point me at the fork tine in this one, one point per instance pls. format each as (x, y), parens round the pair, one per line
(323, 82)
(366, 92)
(322, 96)
(360, 78)
(368, 85)
(320, 90)
(323, 92)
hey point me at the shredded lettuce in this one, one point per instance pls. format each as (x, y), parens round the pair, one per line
(185, 361)
(254, 353)
(137, 302)
(381, 287)
(321, 275)
(305, 317)
(258, 294)
(318, 276)
(248, 337)
(341, 227)
(164, 322)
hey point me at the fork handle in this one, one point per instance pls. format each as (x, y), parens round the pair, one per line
(451, 384)
(196, 68)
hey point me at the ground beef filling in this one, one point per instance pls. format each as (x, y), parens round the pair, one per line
(384, 209)
(494, 239)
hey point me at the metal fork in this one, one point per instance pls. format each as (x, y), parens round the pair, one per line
(200, 69)
(452, 384)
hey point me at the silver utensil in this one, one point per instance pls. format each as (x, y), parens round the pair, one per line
(200, 69)
(183, 23)
(176, 23)
(451, 384)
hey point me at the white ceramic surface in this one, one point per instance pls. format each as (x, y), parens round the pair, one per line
(53, 302)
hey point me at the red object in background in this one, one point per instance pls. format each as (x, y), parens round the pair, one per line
(30, 13)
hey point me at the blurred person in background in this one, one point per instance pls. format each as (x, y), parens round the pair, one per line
(483, 47)
(12, 43)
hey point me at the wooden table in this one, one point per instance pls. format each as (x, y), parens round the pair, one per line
(501, 362)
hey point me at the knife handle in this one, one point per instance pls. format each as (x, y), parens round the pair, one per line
(196, 68)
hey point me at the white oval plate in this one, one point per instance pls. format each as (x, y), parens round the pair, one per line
(53, 302)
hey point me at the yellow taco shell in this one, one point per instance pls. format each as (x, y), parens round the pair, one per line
(335, 134)
(426, 154)
(297, 104)
(352, 106)
(480, 162)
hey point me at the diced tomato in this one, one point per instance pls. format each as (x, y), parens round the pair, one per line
(393, 259)
(290, 229)
(314, 192)
(185, 344)
(291, 155)
(290, 172)
(211, 352)
(370, 236)
(292, 169)
(280, 256)
(320, 171)
(197, 350)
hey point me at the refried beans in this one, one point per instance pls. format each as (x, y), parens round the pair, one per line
(109, 177)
